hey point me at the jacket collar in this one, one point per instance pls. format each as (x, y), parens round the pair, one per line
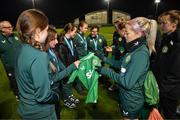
(175, 36)
(131, 46)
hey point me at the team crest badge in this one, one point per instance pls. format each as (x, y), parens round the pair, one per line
(95, 62)
(16, 38)
(128, 58)
(100, 40)
(165, 49)
(82, 68)
(4, 41)
(120, 39)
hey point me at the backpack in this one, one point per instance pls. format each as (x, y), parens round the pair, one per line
(151, 89)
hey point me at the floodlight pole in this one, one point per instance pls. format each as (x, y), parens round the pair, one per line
(108, 10)
(156, 9)
(33, 3)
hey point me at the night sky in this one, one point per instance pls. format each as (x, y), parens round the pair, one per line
(62, 11)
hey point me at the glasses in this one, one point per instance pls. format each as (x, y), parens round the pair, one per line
(7, 27)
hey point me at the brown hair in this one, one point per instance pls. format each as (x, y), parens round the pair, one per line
(174, 17)
(51, 36)
(81, 24)
(95, 26)
(28, 22)
(120, 23)
(68, 27)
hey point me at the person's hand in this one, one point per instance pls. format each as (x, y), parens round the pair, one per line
(108, 49)
(76, 63)
(99, 54)
(53, 67)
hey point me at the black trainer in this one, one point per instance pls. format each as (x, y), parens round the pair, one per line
(73, 99)
(69, 104)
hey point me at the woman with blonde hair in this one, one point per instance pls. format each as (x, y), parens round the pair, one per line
(133, 66)
(168, 67)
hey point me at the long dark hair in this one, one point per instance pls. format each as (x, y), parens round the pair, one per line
(68, 27)
(27, 23)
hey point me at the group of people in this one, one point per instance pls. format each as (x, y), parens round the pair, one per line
(40, 62)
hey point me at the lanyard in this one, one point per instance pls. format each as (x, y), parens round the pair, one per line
(70, 45)
(55, 58)
(84, 40)
(95, 43)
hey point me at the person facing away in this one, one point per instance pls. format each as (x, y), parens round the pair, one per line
(80, 39)
(8, 44)
(38, 94)
(168, 59)
(133, 66)
(95, 41)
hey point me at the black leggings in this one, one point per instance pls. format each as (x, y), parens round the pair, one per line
(168, 107)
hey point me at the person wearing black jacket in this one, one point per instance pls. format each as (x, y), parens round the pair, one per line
(168, 63)
(118, 45)
(68, 54)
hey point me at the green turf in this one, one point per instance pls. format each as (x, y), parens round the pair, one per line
(105, 108)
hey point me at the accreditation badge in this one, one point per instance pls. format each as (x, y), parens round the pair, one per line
(127, 59)
(165, 49)
(100, 40)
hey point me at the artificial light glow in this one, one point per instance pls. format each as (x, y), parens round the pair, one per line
(106, 0)
(157, 1)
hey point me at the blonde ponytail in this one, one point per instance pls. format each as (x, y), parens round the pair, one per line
(148, 27)
(151, 36)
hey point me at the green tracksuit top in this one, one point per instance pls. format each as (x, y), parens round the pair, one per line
(96, 44)
(32, 71)
(133, 67)
(81, 45)
(8, 47)
(88, 76)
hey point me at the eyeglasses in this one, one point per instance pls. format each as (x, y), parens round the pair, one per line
(7, 27)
